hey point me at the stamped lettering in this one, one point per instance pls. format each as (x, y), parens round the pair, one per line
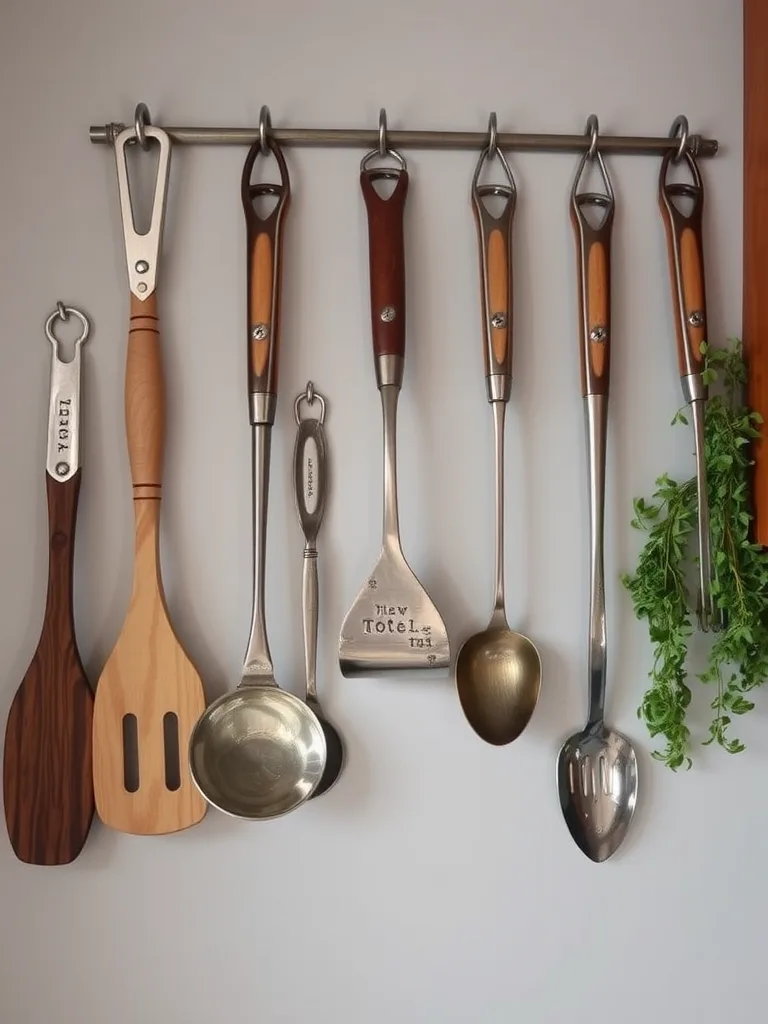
(63, 414)
(394, 619)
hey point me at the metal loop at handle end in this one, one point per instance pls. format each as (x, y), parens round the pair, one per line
(142, 120)
(265, 129)
(310, 396)
(383, 150)
(592, 153)
(63, 313)
(680, 128)
(488, 154)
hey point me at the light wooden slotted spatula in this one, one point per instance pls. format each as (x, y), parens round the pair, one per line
(149, 695)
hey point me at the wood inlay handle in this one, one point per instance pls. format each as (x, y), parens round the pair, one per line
(265, 235)
(386, 246)
(686, 263)
(495, 246)
(47, 769)
(593, 252)
(145, 399)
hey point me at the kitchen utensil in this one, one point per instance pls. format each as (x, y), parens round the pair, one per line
(47, 770)
(310, 483)
(755, 230)
(596, 768)
(149, 695)
(259, 751)
(686, 267)
(393, 625)
(498, 671)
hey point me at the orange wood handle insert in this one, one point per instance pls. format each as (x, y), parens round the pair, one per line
(265, 235)
(494, 233)
(593, 252)
(498, 296)
(386, 247)
(686, 264)
(145, 398)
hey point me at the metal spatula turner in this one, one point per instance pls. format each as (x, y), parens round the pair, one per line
(393, 624)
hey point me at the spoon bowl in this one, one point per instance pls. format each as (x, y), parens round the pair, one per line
(334, 747)
(257, 753)
(597, 785)
(498, 678)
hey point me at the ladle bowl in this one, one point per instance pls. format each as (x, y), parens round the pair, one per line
(257, 753)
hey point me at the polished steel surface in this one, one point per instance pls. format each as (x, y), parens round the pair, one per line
(498, 671)
(597, 767)
(366, 137)
(393, 625)
(310, 485)
(257, 753)
(142, 251)
(63, 453)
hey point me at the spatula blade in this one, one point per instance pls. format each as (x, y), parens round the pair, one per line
(393, 625)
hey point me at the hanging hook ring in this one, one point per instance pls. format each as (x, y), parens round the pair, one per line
(383, 147)
(492, 136)
(592, 130)
(265, 129)
(680, 127)
(140, 121)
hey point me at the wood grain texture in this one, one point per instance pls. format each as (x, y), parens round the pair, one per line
(144, 396)
(597, 307)
(264, 270)
(386, 253)
(755, 217)
(498, 294)
(686, 263)
(47, 764)
(148, 675)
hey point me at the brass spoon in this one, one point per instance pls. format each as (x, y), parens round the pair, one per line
(498, 671)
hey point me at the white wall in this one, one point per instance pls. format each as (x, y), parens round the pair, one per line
(437, 882)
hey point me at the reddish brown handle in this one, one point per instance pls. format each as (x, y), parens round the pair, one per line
(265, 236)
(686, 263)
(386, 246)
(47, 763)
(593, 258)
(145, 398)
(495, 243)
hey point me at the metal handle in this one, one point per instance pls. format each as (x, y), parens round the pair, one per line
(309, 612)
(63, 454)
(597, 422)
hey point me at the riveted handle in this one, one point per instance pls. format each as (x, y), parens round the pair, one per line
(686, 263)
(593, 260)
(495, 245)
(145, 398)
(265, 238)
(387, 259)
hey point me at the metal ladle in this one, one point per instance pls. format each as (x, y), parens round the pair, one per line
(259, 752)
(597, 767)
(498, 671)
(310, 484)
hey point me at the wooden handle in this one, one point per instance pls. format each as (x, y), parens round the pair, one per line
(386, 246)
(686, 264)
(47, 769)
(264, 271)
(145, 399)
(495, 244)
(593, 259)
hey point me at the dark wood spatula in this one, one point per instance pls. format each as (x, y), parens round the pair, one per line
(47, 769)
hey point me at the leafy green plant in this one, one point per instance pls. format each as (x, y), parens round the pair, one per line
(737, 658)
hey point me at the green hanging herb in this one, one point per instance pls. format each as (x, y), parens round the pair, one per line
(737, 660)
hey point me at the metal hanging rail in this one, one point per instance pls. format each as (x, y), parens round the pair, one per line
(398, 138)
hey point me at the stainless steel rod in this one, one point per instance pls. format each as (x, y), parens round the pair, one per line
(366, 137)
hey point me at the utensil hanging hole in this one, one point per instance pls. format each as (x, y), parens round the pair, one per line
(171, 745)
(141, 168)
(130, 753)
(494, 200)
(384, 186)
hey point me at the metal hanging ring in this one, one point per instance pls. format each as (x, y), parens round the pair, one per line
(140, 121)
(592, 130)
(680, 127)
(265, 129)
(61, 309)
(310, 396)
(383, 147)
(492, 136)
(68, 311)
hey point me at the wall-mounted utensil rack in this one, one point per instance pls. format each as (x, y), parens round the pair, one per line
(697, 145)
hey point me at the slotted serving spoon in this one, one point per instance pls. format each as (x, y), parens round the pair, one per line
(597, 767)
(47, 773)
(150, 694)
